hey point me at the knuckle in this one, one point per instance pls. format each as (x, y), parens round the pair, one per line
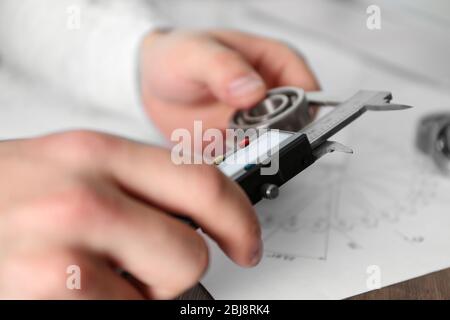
(88, 140)
(84, 145)
(80, 202)
(225, 59)
(285, 49)
(82, 205)
(280, 45)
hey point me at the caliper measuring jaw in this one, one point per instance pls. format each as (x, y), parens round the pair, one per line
(345, 113)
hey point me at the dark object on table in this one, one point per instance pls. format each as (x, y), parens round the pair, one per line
(433, 139)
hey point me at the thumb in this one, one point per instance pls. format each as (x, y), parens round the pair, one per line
(229, 77)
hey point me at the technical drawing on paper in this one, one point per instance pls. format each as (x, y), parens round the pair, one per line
(314, 203)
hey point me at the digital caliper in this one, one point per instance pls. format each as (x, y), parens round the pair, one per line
(287, 140)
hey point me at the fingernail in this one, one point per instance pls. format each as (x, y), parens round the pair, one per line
(245, 86)
(257, 254)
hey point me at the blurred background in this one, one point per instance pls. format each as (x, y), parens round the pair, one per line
(408, 55)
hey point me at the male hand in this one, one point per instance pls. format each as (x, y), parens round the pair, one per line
(207, 76)
(101, 203)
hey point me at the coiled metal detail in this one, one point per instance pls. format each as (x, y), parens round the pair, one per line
(284, 108)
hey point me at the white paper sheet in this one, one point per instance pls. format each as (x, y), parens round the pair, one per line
(382, 211)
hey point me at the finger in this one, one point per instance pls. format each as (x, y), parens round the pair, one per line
(166, 256)
(226, 73)
(200, 192)
(277, 63)
(61, 273)
(161, 252)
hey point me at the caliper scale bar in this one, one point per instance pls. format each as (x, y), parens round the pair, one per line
(326, 126)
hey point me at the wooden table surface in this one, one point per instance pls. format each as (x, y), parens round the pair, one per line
(435, 285)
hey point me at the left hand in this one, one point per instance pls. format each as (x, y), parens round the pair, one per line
(187, 76)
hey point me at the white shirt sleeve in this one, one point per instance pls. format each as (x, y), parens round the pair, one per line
(89, 49)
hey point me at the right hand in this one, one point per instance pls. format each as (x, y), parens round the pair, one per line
(209, 75)
(101, 203)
